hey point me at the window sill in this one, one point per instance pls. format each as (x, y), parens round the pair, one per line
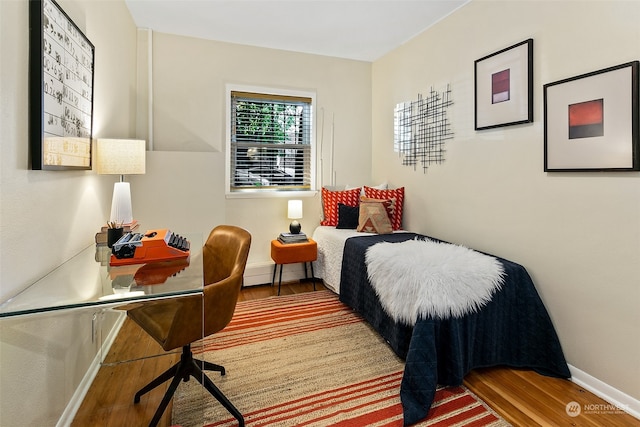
(262, 194)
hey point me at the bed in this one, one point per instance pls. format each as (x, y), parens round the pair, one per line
(331, 242)
(341, 219)
(513, 329)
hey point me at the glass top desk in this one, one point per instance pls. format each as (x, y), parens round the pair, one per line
(87, 280)
(61, 328)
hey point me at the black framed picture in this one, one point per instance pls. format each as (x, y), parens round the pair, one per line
(61, 60)
(504, 87)
(591, 121)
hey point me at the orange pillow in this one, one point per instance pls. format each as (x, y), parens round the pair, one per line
(330, 200)
(397, 194)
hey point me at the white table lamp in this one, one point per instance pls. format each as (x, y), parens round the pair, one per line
(120, 157)
(294, 213)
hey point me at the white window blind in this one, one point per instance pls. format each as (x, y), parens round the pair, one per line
(271, 143)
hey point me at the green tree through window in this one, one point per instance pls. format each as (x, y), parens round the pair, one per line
(270, 142)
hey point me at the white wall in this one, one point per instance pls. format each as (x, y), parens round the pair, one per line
(184, 189)
(578, 234)
(48, 216)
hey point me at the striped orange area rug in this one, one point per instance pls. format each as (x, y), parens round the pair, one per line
(309, 360)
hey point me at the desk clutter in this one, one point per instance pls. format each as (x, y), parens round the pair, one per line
(151, 246)
(292, 238)
(101, 236)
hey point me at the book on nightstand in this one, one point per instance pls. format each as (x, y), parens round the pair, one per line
(292, 238)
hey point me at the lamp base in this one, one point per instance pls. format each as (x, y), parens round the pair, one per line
(295, 227)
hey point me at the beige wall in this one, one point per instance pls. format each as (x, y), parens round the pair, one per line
(578, 234)
(184, 189)
(48, 216)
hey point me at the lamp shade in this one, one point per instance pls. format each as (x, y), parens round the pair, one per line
(295, 209)
(120, 156)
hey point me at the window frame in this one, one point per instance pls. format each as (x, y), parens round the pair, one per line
(270, 192)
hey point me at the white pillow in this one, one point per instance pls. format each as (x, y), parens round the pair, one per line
(383, 186)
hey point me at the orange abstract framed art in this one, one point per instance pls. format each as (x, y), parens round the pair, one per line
(591, 121)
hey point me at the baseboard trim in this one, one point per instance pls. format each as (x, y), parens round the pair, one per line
(603, 390)
(261, 273)
(76, 400)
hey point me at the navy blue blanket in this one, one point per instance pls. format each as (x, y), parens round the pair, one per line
(513, 329)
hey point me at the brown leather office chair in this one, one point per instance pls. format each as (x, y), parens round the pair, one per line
(178, 322)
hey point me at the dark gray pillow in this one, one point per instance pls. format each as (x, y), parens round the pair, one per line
(348, 217)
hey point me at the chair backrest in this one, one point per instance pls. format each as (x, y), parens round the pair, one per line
(224, 259)
(176, 322)
(225, 252)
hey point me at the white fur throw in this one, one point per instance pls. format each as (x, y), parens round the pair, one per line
(423, 278)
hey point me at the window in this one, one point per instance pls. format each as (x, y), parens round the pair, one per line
(270, 141)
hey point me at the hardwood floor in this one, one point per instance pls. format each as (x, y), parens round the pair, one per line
(525, 398)
(522, 397)
(109, 401)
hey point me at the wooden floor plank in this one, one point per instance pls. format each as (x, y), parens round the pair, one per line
(522, 397)
(519, 393)
(543, 400)
(475, 382)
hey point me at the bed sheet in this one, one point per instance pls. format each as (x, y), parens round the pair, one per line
(330, 242)
(513, 329)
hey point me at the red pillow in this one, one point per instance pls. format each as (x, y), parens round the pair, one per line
(330, 200)
(397, 194)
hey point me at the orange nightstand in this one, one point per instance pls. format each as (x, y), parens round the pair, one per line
(292, 253)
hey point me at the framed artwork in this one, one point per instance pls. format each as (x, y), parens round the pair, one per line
(504, 87)
(61, 60)
(591, 121)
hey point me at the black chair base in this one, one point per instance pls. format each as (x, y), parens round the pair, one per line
(185, 368)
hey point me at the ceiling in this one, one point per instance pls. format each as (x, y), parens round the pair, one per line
(354, 29)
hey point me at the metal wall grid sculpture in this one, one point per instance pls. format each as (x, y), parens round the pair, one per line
(421, 128)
